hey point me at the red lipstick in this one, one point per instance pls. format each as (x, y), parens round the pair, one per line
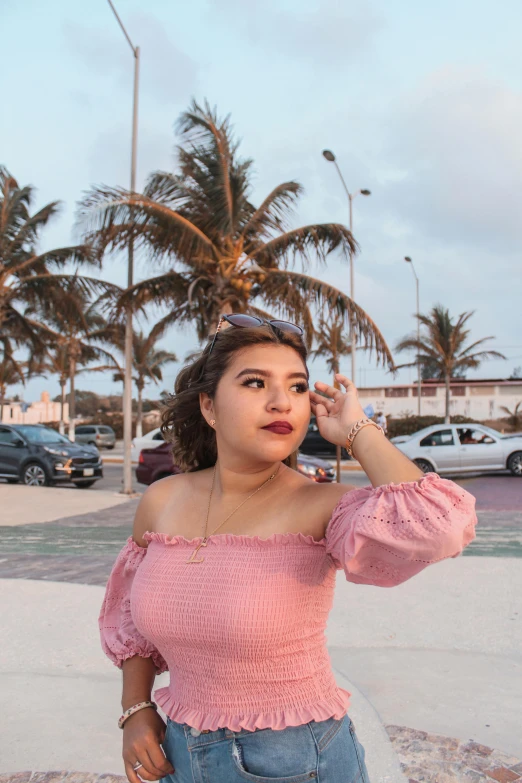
(279, 427)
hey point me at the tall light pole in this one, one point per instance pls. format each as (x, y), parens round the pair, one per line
(408, 259)
(127, 383)
(328, 154)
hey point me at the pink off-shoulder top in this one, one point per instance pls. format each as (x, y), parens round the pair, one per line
(243, 633)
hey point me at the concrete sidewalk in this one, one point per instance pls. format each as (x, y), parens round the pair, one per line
(441, 653)
(21, 505)
(62, 695)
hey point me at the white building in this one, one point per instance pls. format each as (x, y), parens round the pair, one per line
(476, 399)
(39, 412)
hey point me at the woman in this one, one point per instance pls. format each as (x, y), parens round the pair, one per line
(238, 616)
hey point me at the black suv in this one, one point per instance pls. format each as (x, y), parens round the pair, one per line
(39, 456)
(315, 445)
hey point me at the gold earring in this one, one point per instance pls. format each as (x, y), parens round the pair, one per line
(212, 422)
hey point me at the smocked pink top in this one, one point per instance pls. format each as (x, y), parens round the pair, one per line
(243, 633)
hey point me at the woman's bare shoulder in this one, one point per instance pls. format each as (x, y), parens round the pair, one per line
(154, 498)
(323, 498)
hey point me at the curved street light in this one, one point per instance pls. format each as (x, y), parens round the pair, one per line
(328, 154)
(127, 384)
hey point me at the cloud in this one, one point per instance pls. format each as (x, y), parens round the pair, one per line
(323, 33)
(456, 141)
(166, 72)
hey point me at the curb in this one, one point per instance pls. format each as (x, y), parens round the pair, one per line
(119, 461)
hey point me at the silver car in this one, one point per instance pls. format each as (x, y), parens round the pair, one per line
(462, 448)
(99, 435)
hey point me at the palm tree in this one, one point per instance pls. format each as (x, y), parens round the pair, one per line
(11, 372)
(147, 363)
(215, 251)
(331, 342)
(514, 415)
(28, 277)
(443, 347)
(77, 328)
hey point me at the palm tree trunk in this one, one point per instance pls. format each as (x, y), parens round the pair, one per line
(139, 414)
(447, 382)
(72, 400)
(2, 396)
(63, 382)
(337, 385)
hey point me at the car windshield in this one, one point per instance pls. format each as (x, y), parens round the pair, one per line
(42, 435)
(491, 431)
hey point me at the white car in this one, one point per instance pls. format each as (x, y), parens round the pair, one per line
(149, 441)
(463, 448)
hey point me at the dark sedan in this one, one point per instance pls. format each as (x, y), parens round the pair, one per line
(156, 463)
(39, 456)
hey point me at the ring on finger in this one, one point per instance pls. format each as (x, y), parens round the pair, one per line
(137, 765)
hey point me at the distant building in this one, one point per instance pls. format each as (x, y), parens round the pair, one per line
(475, 399)
(34, 413)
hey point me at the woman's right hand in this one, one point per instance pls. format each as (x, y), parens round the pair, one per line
(143, 734)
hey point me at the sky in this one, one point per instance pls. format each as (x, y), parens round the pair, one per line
(421, 103)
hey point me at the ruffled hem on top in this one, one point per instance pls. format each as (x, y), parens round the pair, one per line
(281, 719)
(231, 538)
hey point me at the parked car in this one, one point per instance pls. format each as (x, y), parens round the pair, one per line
(149, 441)
(156, 463)
(314, 443)
(319, 470)
(39, 456)
(99, 435)
(463, 448)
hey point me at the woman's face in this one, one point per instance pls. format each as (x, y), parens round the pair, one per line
(263, 384)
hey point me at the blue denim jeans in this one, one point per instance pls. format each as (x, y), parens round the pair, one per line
(325, 751)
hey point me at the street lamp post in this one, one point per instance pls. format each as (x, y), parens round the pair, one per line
(328, 154)
(127, 383)
(408, 259)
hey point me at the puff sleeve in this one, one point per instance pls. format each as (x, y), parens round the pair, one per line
(120, 638)
(384, 535)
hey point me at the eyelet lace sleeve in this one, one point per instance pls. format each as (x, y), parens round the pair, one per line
(384, 535)
(119, 637)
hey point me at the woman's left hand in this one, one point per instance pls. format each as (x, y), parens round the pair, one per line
(335, 417)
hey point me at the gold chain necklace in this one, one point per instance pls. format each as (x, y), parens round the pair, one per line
(205, 538)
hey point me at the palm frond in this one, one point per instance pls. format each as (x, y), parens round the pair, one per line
(285, 249)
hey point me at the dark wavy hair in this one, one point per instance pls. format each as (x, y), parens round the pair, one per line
(182, 422)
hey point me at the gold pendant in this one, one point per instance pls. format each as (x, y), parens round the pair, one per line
(192, 557)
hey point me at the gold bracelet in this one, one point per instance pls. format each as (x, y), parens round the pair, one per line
(355, 429)
(135, 708)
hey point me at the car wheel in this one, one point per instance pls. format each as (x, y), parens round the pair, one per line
(35, 476)
(424, 465)
(111, 447)
(515, 463)
(84, 484)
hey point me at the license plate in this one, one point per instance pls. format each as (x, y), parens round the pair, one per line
(88, 471)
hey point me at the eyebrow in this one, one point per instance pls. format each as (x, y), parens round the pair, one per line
(268, 374)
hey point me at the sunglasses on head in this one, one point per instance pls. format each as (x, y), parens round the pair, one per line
(249, 321)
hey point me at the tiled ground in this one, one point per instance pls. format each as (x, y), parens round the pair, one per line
(433, 758)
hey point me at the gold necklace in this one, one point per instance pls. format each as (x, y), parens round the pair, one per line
(205, 538)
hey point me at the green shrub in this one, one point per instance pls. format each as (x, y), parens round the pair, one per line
(407, 425)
